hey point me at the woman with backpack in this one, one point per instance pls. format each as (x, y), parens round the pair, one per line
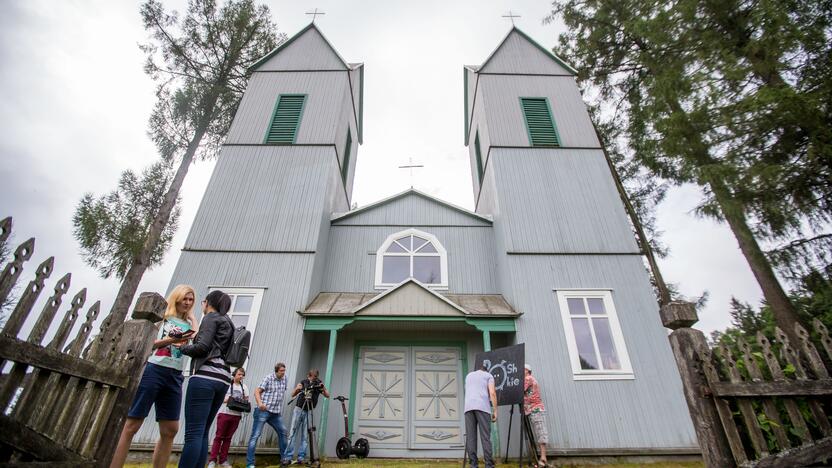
(228, 419)
(210, 377)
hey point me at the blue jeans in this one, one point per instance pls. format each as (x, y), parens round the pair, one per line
(260, 419)
(298, 428)
(202, 401)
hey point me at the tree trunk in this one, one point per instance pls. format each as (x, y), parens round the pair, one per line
(131, 281)
(784, 312)
(781, 307)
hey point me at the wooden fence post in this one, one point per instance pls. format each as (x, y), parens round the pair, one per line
(130, 355)
(686, 343)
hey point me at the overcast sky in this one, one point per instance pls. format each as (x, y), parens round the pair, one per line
(74, 104)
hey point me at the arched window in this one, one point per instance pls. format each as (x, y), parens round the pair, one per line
(411, 254)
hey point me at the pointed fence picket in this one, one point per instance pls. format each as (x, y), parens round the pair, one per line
(64, 403)
(769, 408)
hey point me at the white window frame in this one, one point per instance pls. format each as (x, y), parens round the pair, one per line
(255, 303)
(626, 371)
(252, 316)
(440, 249)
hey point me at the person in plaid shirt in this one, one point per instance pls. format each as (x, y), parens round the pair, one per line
(536, 412)
(269, 398)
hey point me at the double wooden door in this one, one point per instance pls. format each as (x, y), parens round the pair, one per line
(410, 397)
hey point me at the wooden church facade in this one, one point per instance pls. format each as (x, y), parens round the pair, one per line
(392, 301)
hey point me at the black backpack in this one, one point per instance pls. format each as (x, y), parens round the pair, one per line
(238, 350)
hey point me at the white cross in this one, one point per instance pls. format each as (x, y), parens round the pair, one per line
(411, 166)
(315, 14)
(511, 16)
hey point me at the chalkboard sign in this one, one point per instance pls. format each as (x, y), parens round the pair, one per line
(506, 365)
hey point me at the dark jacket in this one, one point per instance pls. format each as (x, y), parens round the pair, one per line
(213, 339)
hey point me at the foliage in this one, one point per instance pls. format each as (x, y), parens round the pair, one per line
(200, 63)
(813, 299)
(112, 229)
(730, 95)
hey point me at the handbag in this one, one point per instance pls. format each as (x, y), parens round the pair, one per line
(238, 404)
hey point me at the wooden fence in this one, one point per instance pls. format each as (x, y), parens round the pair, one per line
(63, 403)
(767, 406)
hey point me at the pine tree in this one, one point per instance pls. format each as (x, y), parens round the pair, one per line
(700, 88)
(112, 229)
(200, 62)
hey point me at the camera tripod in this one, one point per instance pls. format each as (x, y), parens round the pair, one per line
(307, 407)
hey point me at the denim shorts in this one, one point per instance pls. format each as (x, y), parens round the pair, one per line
(160, 386)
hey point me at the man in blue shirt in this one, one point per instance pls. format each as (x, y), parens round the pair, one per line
(269, 397)
(480, 412)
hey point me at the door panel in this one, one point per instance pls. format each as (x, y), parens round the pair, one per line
(410, 397)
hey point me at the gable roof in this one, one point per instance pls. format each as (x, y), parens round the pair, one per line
(309, 29)
(411, 192)
(516, 32)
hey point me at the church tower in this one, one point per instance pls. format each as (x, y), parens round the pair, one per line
(566, 255)
(288, 163)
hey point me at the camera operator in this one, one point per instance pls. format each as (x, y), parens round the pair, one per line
(307, 392)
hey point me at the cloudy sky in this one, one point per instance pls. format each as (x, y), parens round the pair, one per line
(74, 104)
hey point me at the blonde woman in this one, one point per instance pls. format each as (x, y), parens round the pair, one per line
(161, 384)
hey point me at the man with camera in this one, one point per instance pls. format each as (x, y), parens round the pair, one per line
(307, 393)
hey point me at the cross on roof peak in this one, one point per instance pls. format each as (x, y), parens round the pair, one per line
(511, 16)
(411, 165)
(315, 14)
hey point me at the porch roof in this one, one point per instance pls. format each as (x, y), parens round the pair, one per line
(410, 298)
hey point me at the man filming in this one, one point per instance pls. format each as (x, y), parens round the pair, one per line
(307, 392)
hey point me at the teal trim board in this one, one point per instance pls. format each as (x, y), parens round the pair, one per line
(501, 324)
(330, 363)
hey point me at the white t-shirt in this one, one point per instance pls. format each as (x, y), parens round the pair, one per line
(237, 392)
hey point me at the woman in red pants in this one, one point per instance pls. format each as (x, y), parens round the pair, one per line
(227, 422)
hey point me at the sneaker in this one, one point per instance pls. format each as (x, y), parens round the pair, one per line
(212, 465)
(225, 464)
(299, 461)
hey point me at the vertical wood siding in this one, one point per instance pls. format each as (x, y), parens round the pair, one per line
(321, 114)
(648, 411)
(307, 52)
(559, 200)
(267, 197)
(505, 117)
(351, 263)
(518, 55)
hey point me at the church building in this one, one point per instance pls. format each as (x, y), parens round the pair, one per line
(392, 300)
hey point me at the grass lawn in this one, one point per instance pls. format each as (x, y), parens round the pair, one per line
(381, 463)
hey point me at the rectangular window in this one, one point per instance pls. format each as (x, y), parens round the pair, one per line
(286, 119)
(479, 157)
(539, 123)
(593, 336)
(345, 166)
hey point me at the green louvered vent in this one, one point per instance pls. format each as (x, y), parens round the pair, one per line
(539, 122)
(286, 118)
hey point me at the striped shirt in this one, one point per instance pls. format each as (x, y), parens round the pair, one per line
(274, 390)
(215, 369)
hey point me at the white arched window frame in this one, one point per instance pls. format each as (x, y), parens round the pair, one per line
(420, 249)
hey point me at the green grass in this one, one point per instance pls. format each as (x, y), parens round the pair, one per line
(383, 463)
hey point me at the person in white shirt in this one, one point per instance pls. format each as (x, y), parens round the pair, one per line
(227, 421)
